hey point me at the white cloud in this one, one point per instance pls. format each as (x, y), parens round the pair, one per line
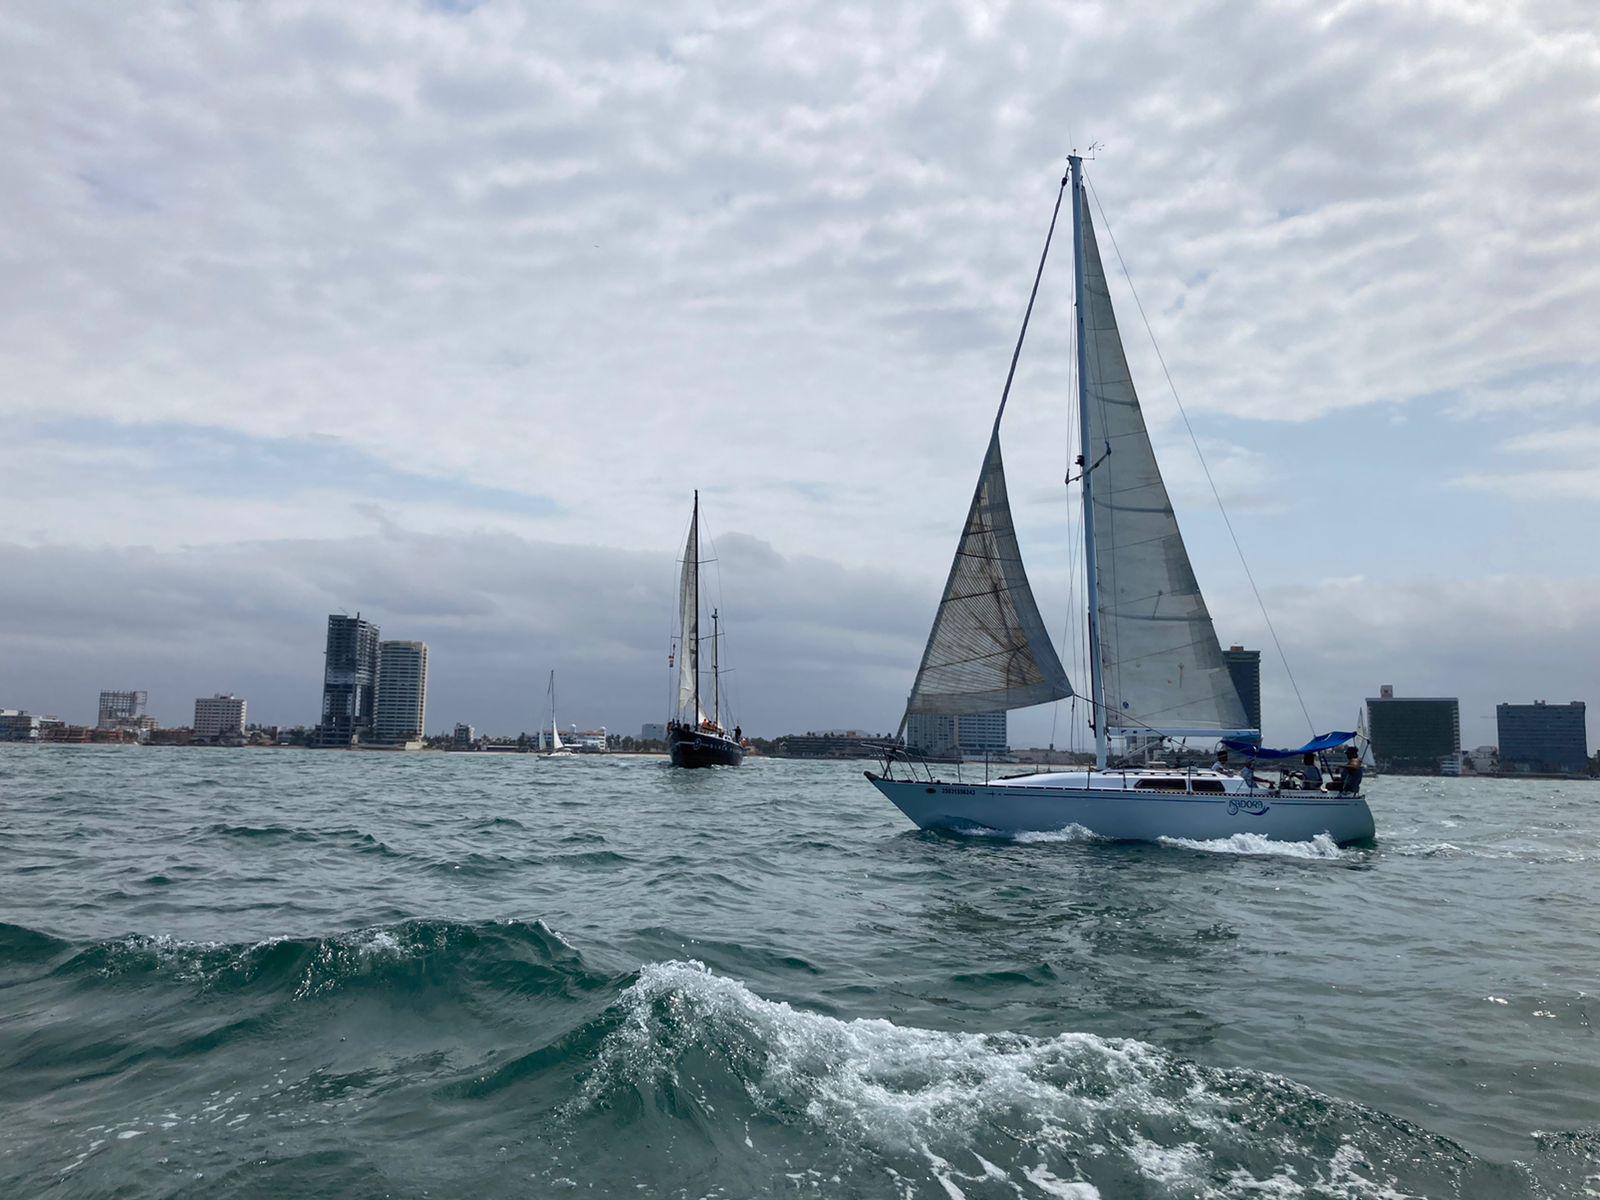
(778, 253)
(608, 257)
(1571, 470)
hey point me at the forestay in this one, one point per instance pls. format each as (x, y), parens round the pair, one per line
(1161, 664)
(988, 648)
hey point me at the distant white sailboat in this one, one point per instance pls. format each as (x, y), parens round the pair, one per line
(557, 749)
(1155, 664)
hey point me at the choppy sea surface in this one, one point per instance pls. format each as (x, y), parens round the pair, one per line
(289, 973)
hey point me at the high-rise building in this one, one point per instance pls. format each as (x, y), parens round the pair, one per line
(979, 734)
(972, 736)
(118, 709)
(1244, 667)
(222, 715)
(349, 681)
(932, 734)
(1548, 739)
(1415, 735)
(402, 707)
(652, 732)
(463, 737)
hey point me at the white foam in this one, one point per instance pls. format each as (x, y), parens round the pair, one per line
(1320, 847)
(939, 1098)
(1066, 1189)
(1067, 833)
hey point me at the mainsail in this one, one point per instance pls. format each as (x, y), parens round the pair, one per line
(689, 625)
(988, 648)
(1161, 664)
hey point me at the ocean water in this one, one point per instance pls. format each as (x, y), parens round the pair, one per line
(285, 973)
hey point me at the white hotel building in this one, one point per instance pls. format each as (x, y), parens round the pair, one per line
(402, 706)
(219, 716)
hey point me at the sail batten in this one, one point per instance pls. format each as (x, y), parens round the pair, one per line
(988, 648)
(1144, 583)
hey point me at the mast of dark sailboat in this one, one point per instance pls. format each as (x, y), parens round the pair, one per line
(692, 634)
(716, 677)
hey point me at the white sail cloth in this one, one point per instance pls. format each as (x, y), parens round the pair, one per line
(1161, 664)
(689, 627)
(988, 649)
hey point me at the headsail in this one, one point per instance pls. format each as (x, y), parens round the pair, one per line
(555, 731)
(1161, 664)
(988, 648)
(689, 625)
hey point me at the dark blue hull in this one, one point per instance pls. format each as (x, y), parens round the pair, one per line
(697, 748)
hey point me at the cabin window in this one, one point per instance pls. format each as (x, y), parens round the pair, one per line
(1161, 784)
(1209, 785)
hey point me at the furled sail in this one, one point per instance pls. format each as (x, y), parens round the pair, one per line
(988, 649)
(689, 626)
(1161, 664)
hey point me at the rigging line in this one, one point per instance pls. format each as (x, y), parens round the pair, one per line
(1204, 466)
(1022, 333)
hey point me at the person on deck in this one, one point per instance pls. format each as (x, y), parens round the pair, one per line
(1350, 784)
(1222, 762)
(1310, 774)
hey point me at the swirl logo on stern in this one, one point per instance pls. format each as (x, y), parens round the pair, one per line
(1246, 804)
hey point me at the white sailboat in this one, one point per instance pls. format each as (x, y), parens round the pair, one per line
(557, 748)
(1155, 664)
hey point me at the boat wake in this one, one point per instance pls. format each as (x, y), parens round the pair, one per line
(1067, 833)
(1319, 847)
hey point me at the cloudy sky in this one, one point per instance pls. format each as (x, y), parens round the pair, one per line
(439, 312)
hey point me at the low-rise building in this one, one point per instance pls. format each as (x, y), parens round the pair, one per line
(652, 731)
(18, 726)
(830, 743)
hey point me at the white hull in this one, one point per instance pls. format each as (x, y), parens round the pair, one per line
(1114, 805)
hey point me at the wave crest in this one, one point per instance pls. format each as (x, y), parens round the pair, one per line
(513, 956)
(1070, 1115)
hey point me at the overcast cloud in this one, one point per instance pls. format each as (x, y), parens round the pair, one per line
(440, 311)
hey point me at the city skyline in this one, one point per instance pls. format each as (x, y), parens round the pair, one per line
(518, 288)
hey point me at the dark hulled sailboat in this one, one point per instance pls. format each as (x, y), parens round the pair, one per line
(693, 738)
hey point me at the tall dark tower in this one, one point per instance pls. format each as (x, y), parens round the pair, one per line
(349, 681)
(1245, 668)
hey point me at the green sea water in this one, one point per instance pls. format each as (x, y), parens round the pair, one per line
(290, 973)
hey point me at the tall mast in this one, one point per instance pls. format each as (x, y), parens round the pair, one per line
(693, 635)
(1085, 459)
(716, 678)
